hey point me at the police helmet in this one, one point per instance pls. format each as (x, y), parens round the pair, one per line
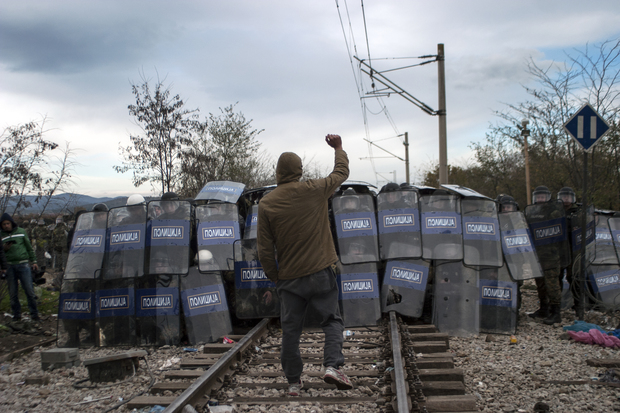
(135, 199)
(540, 192)
(349, 199)
(100, 208)
(41, 222)
(170, 196)
(568, 194)
(389, 187)
(507, 203)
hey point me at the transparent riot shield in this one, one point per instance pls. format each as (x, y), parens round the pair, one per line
(255, 294)
(76, 307)
(481, 235)
(547, 222)
(225, 191)
(218, 229)
(456, 306)
(356, 228)
(358, 286)
(498, 301)
(614, 227)
(604, 251)
(574, 224)
(158, 321)
(442, 237)
(404, 287)
(605, 283)
(251, 224)
(122, 264)
(399, 225)
(168, 237)
(205, 307)
(518, 248)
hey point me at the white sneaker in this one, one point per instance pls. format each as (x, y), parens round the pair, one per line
(334, 376)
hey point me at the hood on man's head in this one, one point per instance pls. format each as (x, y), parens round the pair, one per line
(288, 169)
(7, 217)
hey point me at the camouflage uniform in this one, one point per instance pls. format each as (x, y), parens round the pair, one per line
(59, 245)
(550, 258)
(41, 238)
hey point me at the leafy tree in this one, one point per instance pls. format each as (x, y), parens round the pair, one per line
(23, 153)
(225, 148)
(156, 156)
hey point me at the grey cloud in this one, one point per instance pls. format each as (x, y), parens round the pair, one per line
(73, 45)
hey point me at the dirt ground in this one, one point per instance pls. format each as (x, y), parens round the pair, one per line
(19, 335)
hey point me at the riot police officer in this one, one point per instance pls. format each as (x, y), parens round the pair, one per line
(506, 204)
(171, 206)
(549, 287)
(568, 198)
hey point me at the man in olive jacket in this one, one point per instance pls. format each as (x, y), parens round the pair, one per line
(293, 220)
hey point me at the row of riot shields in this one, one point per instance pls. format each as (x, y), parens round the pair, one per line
(431, 227)
(128, 277)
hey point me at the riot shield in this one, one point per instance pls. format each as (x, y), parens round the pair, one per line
(168, 238)
(225, 191)
(399, 225)
(76, 307)
(404, 287)
(547, 222)
(255, 294)
(218, 229)
(205, 307)
(498, 301)
(87, 247)
(358, 286)
(76, 313)
(456, 304)
(251, 224)
(158, 320)
(605, 282)
(574, 223)
(123, 263)
(614, 227)
(481, 236)
(356, 228)
(604, 251)
(517, 246)
(442, 237)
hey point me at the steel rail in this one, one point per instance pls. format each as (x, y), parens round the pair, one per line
(402, 398)
(196, 391)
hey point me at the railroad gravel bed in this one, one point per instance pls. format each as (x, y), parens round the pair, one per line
(511, 378)
(505, 377)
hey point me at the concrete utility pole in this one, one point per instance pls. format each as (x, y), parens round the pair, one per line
(406, 143)
(441, 112)
(443, 134)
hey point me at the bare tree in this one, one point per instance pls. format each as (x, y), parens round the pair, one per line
(59, 179)
(23, 151)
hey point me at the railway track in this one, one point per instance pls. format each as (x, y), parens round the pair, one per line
(394, 367)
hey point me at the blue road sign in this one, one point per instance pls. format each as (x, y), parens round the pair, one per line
(586, 127)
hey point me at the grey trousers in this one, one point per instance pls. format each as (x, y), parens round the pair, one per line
(319, 292)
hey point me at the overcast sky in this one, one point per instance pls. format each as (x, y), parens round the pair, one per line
(287, 64)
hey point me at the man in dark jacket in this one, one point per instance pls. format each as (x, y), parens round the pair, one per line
(293, 221)
(20, 257)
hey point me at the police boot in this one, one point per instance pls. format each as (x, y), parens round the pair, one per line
(554, 315)
(542, 312)
(579, 313)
